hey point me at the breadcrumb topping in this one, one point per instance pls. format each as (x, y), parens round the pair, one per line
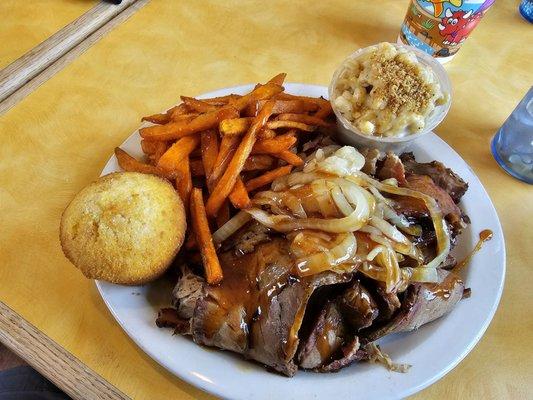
(403, 85)
(387, 91)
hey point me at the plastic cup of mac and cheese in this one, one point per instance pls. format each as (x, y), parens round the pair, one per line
(439, 27)
(388, 95)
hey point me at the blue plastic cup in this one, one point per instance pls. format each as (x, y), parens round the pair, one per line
(512, 146)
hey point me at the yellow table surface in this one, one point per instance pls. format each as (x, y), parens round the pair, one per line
(58, 139)
(25, 24)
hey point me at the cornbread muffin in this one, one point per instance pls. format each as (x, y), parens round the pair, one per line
(124, 228)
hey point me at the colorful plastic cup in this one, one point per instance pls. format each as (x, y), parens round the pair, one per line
(440, 27)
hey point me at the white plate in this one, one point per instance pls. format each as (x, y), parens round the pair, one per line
(433, 350)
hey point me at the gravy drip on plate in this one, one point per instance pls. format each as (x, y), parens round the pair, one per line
(484, 236)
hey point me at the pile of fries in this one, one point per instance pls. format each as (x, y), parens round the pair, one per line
(225, 148)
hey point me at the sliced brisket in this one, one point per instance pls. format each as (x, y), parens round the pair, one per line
(258, 308)
(392, 168)
(358, 306)
(325, 339)
(423, 303)
(442, 176)
(351, 352)
(424, 184)
(186, 292)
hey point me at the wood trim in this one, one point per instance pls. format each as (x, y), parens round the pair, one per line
(27, 73)
(18, 80)
(40, 57)
(52, 361)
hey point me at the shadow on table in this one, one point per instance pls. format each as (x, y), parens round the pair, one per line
(24, 383)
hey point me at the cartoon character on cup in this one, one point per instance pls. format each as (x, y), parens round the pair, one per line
(456, 25)
(438, 5)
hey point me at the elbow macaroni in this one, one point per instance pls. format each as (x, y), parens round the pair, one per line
(387, 92)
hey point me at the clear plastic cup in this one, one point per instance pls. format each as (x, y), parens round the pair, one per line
(440, 28)
(512, 146)
(349, 134)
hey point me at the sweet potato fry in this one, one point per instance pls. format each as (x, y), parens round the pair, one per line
(267, 177)
(178, 110)
(223, 214)
(197, 105)
(278, 79)
(197, 152)
(152, 147)
(184, 183)
(251, 109)
(324, 106)
(289, 157)
(128, 163)
(275, 145)
(222, 100)
(178, 151)
(225, 185)
(297, 106)
(290, 124)
(303, 118)
(209, 149)
(204, 240)
(154, 150)
(261, 92)
(177, 130)
(197, 168)
(172, 114)
(266, 133)
(258, 162)
(239, 196)
(154, 158)
(235, 126)
(159, 119)
(228, 145)
(184, 117)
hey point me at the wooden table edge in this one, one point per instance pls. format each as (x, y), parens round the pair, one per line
(27, 73)
(55, 363)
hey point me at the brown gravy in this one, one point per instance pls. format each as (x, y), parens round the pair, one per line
(323, 342)
(248, 287)
(443, 289)
(484, 236)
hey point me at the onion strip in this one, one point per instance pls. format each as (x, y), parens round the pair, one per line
(351, 223)
(399, 220)
(389, 230)
(296, 178)
(387, 258)
(441, 230)
(284, 223)
(346, 203)
(340, 201)
(326, 260)
(421, 274)
(230, 227)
